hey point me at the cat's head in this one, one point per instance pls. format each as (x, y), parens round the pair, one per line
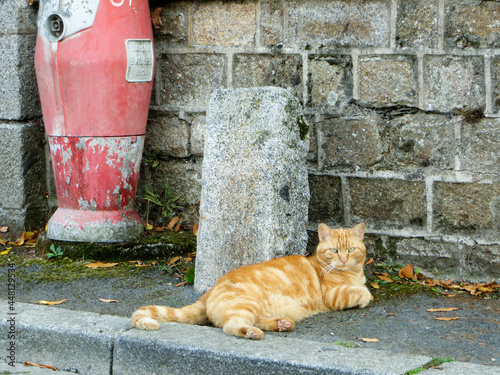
(341, 249)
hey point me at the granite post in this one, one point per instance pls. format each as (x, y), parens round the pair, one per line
(255, 192)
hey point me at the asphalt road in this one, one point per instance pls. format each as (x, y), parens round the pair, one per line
(401, 324)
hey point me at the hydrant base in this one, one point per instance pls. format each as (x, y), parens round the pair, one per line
(94, 226)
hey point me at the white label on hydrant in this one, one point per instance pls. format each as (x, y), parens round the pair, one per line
(140, 60)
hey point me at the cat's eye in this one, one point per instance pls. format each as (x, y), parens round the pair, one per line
(351, 249)
(334, 250)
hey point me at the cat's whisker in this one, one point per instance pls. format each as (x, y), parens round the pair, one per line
(329, 268)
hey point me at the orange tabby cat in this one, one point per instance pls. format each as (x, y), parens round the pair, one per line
(273, 295)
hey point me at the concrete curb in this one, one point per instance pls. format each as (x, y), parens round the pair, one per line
(20, 369)
(66, 339)
(90, 343)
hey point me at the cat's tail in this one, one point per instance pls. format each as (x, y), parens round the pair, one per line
(148, 317)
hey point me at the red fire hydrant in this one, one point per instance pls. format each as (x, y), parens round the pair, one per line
(94, 63)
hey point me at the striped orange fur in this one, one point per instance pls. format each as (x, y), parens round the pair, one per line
(273, 295)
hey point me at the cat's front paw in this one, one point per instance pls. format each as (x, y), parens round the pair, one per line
(364, 298)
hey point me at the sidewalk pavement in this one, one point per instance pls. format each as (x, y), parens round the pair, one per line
(90, 343)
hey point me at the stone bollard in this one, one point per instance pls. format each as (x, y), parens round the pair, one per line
(255, 191)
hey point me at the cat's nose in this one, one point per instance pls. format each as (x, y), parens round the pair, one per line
(343, 261)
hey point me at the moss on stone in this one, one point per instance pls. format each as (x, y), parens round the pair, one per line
(163, 245)
(303, 127)
(473, 116)
(388, 291)
(32, 266)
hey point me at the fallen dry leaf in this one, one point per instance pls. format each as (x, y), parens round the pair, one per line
(156, 19)
(30, 235)
(493, 285)
(447, 319)
(470, 288)
(50, 302)
(148, 226)
(159, 229)
(368, 339)
(385, 278)
(369, 261)
(454, 286)
(443, 309)
(107, 300)
(138, 263)
(430, 282)
(172, 223)
(195, 229)
(100, 265)
(374, 285)
(181, 283)
(173, 260)
(177, 228)
(486, 289)
(5, 252)
(19, 242)
(41, 366)
(407, 272)
(4, 229)
(474, 289)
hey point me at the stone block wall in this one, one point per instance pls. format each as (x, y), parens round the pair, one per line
(23, 202)
(402, 97)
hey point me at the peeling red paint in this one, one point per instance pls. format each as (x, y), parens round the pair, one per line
(96, 174)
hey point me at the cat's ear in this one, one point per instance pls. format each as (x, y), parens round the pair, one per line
(324, 232)
(359, 231)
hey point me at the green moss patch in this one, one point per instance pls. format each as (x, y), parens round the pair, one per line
(151, 247)
(389, 291)
(37, 268)
(436, 362)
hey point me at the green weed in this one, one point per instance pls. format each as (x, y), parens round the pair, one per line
(189, 277)
(164, 202)
(347, 344)
(436, 361)
(55, 252)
